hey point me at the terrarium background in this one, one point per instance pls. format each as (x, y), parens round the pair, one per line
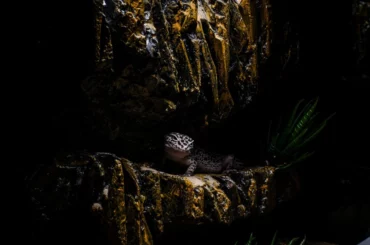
(327, 66)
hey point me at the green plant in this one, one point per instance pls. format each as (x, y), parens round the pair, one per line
(288, 144)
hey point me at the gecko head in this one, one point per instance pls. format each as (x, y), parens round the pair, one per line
(178, 146)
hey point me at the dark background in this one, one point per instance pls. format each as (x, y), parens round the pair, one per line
(59, 57)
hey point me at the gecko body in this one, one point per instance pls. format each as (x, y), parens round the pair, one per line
(180, 148)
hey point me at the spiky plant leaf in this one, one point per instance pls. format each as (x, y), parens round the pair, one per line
(251, 239)
(289, 141)
(303, 157)
(299, 159)
(304, 111)
(274, 238)
(295, 124)
(304, 120)
(316, 131)
(293, 240)
(290, 123)
(288, 128)
(276, 136)
(273, 147)
(294, 142)
(303, 241)
(311, 121)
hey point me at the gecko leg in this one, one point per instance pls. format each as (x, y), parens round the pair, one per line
(191, 169)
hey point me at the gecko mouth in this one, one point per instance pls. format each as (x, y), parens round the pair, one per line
(178, 154)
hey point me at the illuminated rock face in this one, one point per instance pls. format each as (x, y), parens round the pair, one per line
(156, 58)
(135, 202)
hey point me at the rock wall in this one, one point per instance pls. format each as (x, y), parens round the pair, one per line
(135, 202)
(164, 63)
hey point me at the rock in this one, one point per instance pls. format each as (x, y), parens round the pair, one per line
(155, 60)
(135, 202)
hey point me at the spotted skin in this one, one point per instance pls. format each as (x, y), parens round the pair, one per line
(179, 142)
(180, 149)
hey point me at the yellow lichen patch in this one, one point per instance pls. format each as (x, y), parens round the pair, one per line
(125, 213)
(176, 27)
(200, 52)
(202, 197)
(153, 201)
(209, 180)
(138, 230)
(267, 188)
(215, 198)
(241, 211)
(267, 26)
(172, 192)
(116, 212)
(142, 201)
(193, 198)
(252, 191)
(209, 64)
(217, 205)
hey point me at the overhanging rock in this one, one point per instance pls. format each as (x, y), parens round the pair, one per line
(135, 201)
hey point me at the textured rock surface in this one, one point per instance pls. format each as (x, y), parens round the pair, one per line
(135, 201)
(156, 59)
